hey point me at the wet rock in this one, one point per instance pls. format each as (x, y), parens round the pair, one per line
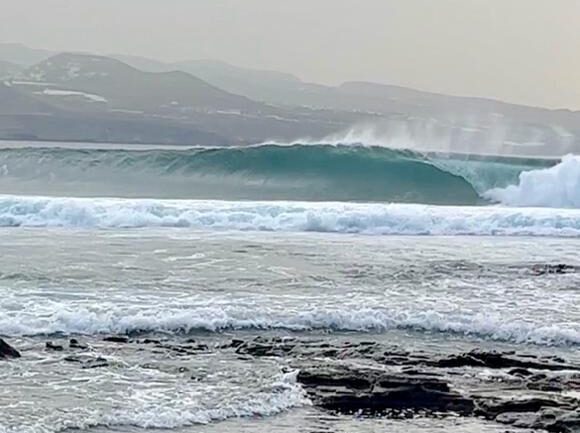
(75, 344)
(236, 343)
(549, 419)
(95, 363)
(7, 351)
(88, 362)
(117, 339)
(54, 347)
(568, 422)
(491, 408)
(520, 372)
(563, 382)
(350, 389)
(179, 349)
(559, 268)
(260, 349)
(497, 360)
(369, 378)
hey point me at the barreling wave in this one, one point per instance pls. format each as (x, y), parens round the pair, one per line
(316, 172)
(280, 216)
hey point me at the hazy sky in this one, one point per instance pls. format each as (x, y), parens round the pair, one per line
(524, 51)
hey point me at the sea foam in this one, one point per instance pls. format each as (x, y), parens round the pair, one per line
(556, 187)
(109, 318)
(370, 219)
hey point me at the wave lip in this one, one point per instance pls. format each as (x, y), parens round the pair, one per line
(370, 219)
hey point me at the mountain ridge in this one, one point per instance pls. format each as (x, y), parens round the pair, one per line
(243, 105)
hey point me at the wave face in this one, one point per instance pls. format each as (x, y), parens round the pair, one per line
(294, 172)
(372, 219)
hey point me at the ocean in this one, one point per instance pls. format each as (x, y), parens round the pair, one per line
(287, 288)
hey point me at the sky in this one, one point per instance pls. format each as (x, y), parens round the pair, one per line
(522, 51)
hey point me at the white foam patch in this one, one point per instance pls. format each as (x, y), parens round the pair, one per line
(107, 318)
(371, 219)
(555, 187)
(285, 393)
(183, 407)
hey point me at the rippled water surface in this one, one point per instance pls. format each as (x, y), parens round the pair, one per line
(428, 293)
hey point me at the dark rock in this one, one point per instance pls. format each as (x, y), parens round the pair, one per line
(183, 349)
(495, 360)
(88, 362)
(54, 347)
(550, 419)
(541, 382)
(75, 344)
(117, 339)
(334, 377)
(350, 389)
(7, 351)
(151, 341)
(236, 343)
(95, 363)
(520, 372)
(259, 349)
(559, 268)
(565, 423)
(73, 359)
(492, 408)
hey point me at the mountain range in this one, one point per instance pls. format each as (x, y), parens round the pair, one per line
(87, 97)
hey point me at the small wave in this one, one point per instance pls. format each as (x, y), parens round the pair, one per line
(556, 187)
(369, 219)
(110, 319)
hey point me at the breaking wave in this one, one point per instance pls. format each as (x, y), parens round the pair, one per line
(109, 318)
(317, 172)
(557, 187)
(324, 217)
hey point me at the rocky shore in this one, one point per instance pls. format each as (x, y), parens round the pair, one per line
(370, 379)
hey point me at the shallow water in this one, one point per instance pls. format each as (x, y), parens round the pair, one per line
(435, 294)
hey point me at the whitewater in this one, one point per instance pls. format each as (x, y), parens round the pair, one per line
(280, 216)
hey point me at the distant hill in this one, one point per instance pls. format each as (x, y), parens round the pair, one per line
(143, 63)
(267, 86)
(261, 85)
(283, 89)
(25, 117)
(22, 55)
(9, 69)
(13, 101)
(125, 87)
(96, 98)
(134, 98)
